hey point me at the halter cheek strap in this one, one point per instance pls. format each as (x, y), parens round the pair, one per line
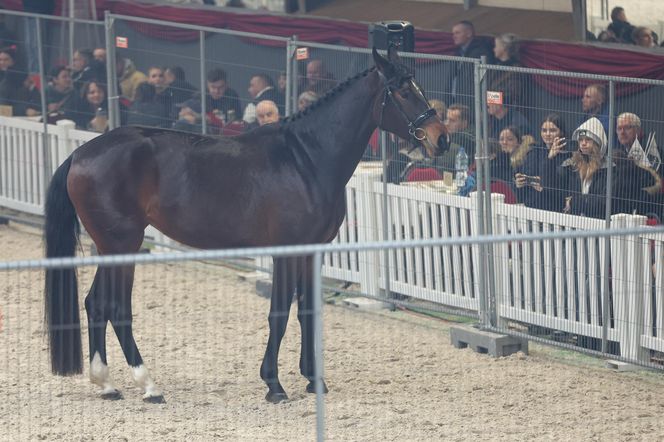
(414, 128)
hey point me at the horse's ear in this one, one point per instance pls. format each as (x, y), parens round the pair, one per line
(393, 54)
(381, 62)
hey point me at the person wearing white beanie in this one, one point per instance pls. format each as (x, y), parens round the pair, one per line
(585, 173)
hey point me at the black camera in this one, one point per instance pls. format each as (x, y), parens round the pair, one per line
(400, 34)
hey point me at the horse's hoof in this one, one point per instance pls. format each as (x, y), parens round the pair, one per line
(154, 399)
(311, 388)
(276, 396)
(113, 395)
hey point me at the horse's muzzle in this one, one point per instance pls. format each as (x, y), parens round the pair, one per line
(443, 144)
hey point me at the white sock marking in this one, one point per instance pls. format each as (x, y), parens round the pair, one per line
(99, 375)
(144, 381)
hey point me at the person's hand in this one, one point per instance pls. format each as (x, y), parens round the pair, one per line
(557, 146)
(519, 180)
(99, 124)
(54, 107)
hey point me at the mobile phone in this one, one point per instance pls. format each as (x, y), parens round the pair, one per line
(532, 180)
(572, 145)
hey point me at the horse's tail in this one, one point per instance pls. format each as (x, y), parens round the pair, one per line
(61, 315)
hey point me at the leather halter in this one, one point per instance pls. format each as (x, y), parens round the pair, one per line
(414, 128)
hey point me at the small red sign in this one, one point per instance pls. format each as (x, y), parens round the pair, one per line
(121, 42)
(494, 97)
(302, 53)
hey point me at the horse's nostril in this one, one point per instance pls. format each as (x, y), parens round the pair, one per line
(443, 145)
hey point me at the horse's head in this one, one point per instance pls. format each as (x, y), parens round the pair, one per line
(403, 108)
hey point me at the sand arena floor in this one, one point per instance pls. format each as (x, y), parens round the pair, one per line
(392, 375)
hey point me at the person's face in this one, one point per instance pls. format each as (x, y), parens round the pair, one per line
(156, 77)
(216, 88)
(494, 109)
(63, 81)
(6, 61)
(453, 122)
(282, 82)
(549, 132)
(646, 39)
(99, 54)
(78, 62)
(255, 86)
(587, 146)
(461, 35)
(621, 16)
(95, 94)
(499, 50)
(314, 70)
(627, 131)
(508, 141)
(266, 115)
(591, 100)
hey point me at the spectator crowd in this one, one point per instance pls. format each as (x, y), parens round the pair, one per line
(541, 164)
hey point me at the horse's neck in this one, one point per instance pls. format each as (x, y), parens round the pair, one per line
(343, 127)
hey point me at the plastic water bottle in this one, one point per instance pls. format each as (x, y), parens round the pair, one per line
(461, 168)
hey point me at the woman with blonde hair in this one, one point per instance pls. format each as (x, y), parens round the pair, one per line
(586, 172)
(511, 84)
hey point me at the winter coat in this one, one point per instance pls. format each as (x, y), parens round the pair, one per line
(130, 80)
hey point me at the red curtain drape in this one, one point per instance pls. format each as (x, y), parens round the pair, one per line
(569, 57)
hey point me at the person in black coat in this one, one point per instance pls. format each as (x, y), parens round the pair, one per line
(12, 78)
(178, 90)
(85, 68)
(91, 109)
(222, 106)
(146, 110)
(462, 76)
(540, 186)
(620, 27)
(261, 87)
(586, 171)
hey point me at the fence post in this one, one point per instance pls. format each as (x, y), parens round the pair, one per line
(497, 264)
(111, 74)
(65, 143)
(294, 74)
(201, 47)
(48, 165)
(607, 215)
(318, 345)
(629, 287)
(367, 231)
(290, 55)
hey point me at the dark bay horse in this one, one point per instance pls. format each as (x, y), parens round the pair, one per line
(280, 184)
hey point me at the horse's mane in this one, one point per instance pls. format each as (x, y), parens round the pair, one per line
(399, 72)
(328, 95)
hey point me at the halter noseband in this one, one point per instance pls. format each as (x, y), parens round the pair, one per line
(414, 128)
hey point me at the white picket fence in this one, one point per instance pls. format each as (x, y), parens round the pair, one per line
(554, 284)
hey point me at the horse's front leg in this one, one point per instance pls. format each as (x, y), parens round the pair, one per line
(306, 316)
(284, 281)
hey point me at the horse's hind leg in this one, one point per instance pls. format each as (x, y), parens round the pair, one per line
(97, 311)
(306, 316)
(121, 320)
(284, 281)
